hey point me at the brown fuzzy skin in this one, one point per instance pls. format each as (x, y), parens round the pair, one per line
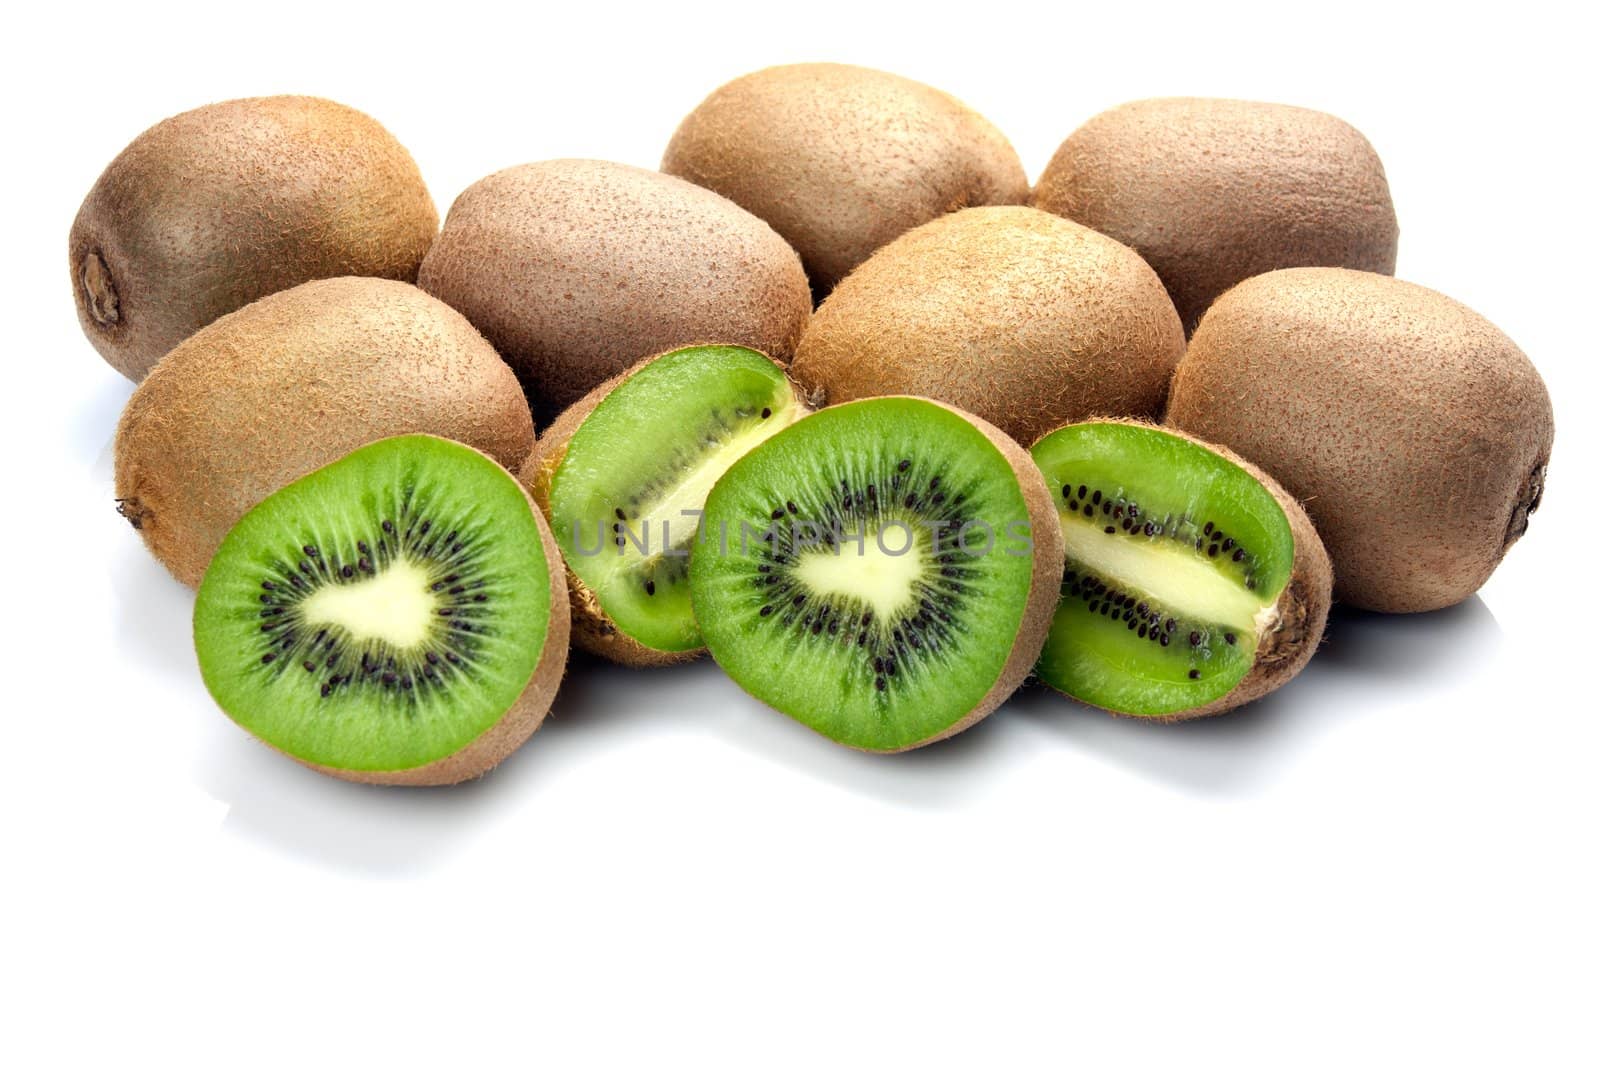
(290, 383)
(217, 207)
(520, 720)
(1212, 192)
(1023, 318)
(842, 160)
(592, 630)
(1414, 430)
(576, 269)
(1303, 605)
(1044, 590)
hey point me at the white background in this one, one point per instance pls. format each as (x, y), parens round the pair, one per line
(1391, 861)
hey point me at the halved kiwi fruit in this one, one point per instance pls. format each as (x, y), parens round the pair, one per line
(883, 571)
(622, 476)
(1193, 583)
(398, 616)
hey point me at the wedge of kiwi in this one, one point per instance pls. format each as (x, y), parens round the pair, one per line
(883, 571)
(398, 616)
(1193, 582)
(623, 475)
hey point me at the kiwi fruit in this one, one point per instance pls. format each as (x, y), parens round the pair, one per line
(577, 269)
(1023, 318)
(1193, 582)
(290, 383)
(212, 209)
(841, 160)
(398, 616)
(1212, 192)
(1417, 433)
(883, 571)
(623, 475)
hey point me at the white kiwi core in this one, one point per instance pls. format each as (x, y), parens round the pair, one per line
(1181, 580)
(673, 518)
(880, 570)
(396, 607)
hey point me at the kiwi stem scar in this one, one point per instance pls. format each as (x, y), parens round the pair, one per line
(99, 294)
(1183, 582)
(396, 606)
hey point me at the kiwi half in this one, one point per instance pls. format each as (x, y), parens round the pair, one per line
(398, 616)
(622, 476)
(882, 571)
(1193, 582)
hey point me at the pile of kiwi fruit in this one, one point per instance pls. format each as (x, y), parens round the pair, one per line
(833, 396)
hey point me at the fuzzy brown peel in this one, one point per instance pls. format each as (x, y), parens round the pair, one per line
(812, 149)
(289, 384)
(1020, 317)
(212, 209)
(1212, 192)
(577, 269)
(1416, 432)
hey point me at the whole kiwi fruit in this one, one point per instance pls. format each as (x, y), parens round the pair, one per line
(1416, 433)
(214, 208)
(1022, 318)
(841, 160)
(1211, 192)
(290, 383)
(577, 269)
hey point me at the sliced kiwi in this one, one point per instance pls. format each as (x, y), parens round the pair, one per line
(1193, 583)
(397, 616)
(623, 474)
(883, 571)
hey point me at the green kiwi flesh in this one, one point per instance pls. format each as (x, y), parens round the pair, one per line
(625, 497)
(1176, 559)
(824, 588)
(385, 612)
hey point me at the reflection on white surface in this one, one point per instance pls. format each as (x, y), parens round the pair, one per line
(1369, 665)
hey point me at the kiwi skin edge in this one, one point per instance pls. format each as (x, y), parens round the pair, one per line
(525, 715)
(592, 630)
(1303, 605)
